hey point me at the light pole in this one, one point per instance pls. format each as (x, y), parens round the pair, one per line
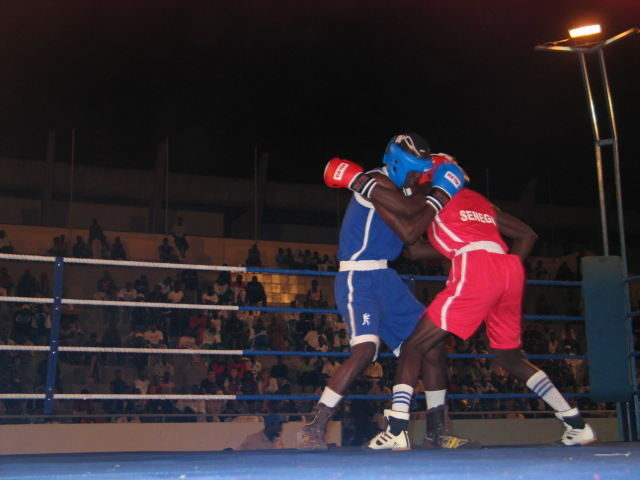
(583, 41)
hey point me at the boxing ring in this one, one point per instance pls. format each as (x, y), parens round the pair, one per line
(602, 461)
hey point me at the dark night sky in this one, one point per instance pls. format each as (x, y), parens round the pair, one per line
(306, 80)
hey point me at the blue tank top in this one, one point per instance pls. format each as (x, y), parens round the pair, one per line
(364, 235)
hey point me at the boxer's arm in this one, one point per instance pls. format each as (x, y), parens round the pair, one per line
(408, 228)
(522, 234)
(422, 250)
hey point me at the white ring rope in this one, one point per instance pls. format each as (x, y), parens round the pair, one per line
(121, 303)
(174, 351)
(26, 299)
(107, 396)
(122, 263)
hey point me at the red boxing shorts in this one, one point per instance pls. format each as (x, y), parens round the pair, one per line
(482, 286)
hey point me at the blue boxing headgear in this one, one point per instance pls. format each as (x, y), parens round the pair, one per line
(407, 153)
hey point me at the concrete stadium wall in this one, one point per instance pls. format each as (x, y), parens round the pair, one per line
(144, 246)
(159, 437)
(139, 437)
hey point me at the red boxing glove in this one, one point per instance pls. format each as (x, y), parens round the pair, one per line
(340, 173)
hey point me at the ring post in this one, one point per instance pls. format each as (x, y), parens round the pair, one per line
(610, 338)
(54, 335)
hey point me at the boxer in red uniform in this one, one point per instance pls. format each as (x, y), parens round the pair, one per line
(485, 284)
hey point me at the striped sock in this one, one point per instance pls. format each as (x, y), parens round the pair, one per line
(545, 389)
(401, 398)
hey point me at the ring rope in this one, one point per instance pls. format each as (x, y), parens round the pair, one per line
(143, 396)
(200, 306)
(192, 351)
(191, 266)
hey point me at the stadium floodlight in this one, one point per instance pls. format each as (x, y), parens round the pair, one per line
(585, 31)
(585, 40)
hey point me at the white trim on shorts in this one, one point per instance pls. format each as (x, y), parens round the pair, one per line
(449, 301)
(364, 339)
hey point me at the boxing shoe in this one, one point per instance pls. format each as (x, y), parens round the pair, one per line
(438, 434)
(577, 432)
(311, 437)
(396, 436)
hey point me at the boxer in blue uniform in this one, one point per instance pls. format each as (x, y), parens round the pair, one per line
(372, 299)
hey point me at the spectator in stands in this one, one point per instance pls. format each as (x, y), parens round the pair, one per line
(58, 249)
(210, 339)
(276, 333)
(6, 280)
(176, 295)
(27, 285)
(209, 296)
(256, 293)
(315, 296)
(117, 250)
(156, 295)
(105, 286)
(84, 407)
(180, 238)
(127, 294)
(194, 406)
(374, 372)
(266, 383)
(141, 382)
(258, 339)
(141, 286)
(96, 238)
(288, 257)
(153, 337)
(233, 333)
(249, 384)
(22, 326)
(281, 259)
(253, 257)
(163, 365)
(280, 370)
(298, 259)
(166, 252)
(233, 383)
(80, 248)
(316, 260)
(222, 288)
(117, 386)
(5, 243)
(308, 262)
(239, 291)
(323, 263)
(209, 383)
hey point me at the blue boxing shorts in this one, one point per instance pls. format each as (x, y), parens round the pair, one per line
(376, 304)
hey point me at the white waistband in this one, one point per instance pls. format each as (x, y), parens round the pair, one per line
(361, 265)
(492, 247)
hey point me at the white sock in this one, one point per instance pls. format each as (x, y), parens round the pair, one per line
(402, 394)
(545, 389)
(435, 398)
(329, 397)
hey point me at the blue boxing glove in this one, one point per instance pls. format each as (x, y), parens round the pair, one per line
(448, 179)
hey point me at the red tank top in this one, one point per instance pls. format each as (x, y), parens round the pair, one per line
(468, 217)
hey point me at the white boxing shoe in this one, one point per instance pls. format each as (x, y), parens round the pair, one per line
(574, 435)
(387, 440)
